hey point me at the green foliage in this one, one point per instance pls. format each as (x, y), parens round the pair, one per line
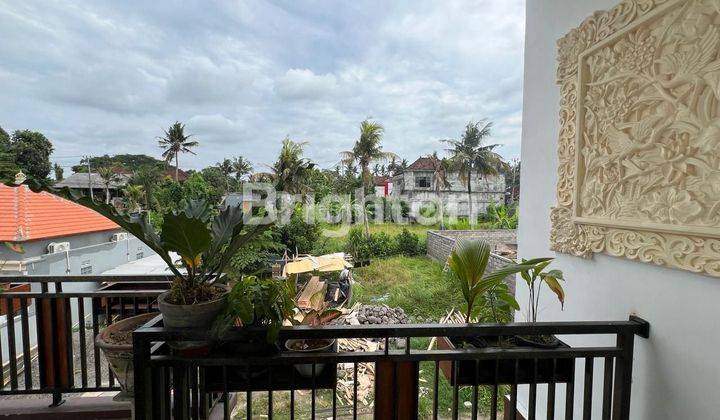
(534, 277)
(253, 259)
(258, 302)
(291, 169)
(174, 196)
(468, 263)
(375, 245)
(130, 162)
(502, 216)
(408, 243)
(298, 234)
(174, 142)
(205, 244)
(30, 152)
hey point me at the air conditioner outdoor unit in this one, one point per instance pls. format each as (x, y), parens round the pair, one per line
(117, 237)
(55, 247)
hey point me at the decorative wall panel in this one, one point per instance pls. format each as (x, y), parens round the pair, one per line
(639, 147)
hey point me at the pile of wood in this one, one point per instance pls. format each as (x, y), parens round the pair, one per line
(365, 373)
(304, 297)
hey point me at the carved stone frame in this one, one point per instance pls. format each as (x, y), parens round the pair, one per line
(695, 250)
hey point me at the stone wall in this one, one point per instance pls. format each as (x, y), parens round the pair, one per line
(441, 243)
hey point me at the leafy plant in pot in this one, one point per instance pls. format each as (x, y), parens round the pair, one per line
(205, 246)
(315, 317)
(535, 277)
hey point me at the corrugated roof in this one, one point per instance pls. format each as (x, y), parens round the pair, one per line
(80, 180)
(26, 215)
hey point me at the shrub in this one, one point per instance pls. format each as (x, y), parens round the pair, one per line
(408, 243)
(362, 247)
(299, 235)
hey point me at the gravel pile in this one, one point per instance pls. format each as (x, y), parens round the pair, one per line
(381, 314)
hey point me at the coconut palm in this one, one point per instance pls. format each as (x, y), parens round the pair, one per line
(241, 167)
(147, 176)
(133, 195)
(174, 142)
(440, 182)
(226, 167)
(367, 149)
(108, 176)
(291, 169)
(471, 155)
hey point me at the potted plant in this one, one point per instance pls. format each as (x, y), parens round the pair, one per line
(486, 292)
(204, 244)
(257, 307)
(535, 277)
(315, 317)
(115, 341)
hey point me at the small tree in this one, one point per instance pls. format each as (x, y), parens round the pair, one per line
(174, 142)
(108, 176)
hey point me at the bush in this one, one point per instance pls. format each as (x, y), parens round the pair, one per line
(408, 243)
(254, 258)
(297, 234)
(377, 245)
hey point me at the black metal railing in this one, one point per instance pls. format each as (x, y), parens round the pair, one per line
(48, 339)
(172, 385)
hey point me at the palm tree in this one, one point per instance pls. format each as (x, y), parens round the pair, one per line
(471, 154)
(367, 149)
(291, 169)
(108, 176)
(133, 195)
(226, 167)
(242, 167)
(147, 176)
(175, 142)
(440, 182)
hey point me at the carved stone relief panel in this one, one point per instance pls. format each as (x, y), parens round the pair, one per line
(639, 145)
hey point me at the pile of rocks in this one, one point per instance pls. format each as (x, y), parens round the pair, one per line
(381, 314)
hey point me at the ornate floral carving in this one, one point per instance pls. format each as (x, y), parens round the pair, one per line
(639, 143)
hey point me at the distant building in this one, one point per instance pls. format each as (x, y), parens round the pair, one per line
(82, 181)
(416, 183)
(59, 237)
(383, 185)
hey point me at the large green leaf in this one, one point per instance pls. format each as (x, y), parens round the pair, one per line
(189, 237)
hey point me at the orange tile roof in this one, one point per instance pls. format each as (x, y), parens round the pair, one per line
(26, 216)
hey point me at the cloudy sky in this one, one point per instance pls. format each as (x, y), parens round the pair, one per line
(107, 77)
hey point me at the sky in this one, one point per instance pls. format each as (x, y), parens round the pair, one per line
(106, 77)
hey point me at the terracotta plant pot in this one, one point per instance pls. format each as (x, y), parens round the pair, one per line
(196, 316)
(119, 353)
(306, 370)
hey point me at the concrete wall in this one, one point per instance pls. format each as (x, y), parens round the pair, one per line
(441, 243)
(675, 374)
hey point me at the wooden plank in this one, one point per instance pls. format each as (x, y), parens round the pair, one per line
(313, 286)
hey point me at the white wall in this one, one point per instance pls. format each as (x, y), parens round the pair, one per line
(676, 373)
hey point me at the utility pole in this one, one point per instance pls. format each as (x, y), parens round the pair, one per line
(87, 160)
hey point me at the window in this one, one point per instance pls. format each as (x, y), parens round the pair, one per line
(422, 181)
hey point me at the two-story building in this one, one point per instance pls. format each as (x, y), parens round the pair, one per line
(416, 184)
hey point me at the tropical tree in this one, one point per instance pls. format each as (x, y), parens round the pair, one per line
(440, 182)
(241, 167)
(59, 172)
(32, 152)
(471, 155)
(147, 176)
(174, 142)
(227, 169)
(108, 176)
(133, 196)
(367, 149)
(291, 169)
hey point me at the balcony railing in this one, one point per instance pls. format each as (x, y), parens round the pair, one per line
(171, 385)
(48, 340)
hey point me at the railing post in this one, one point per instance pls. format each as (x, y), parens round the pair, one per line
(141, 382)
(623, 376)
(396, 390)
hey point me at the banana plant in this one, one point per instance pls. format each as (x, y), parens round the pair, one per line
(468, 263)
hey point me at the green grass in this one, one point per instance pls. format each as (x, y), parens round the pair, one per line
(416, 284)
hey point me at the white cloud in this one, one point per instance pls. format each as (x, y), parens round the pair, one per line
(304, 84)
(106, 77)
